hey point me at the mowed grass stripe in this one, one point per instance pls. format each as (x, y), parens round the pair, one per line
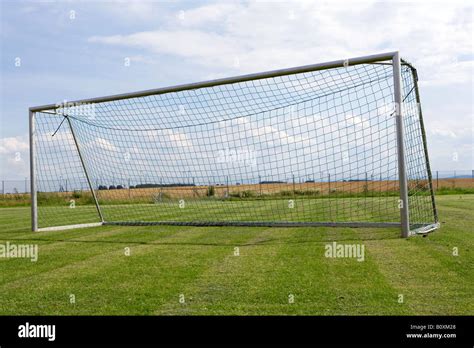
(455, 201)
(57, 252)
(457, 221)
(220, 289)
(14, 221)
(290, 262)
(99, 254)
(328, 286)
(422, 282)
(112, 283)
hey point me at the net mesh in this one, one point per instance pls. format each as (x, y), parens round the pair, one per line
(314, 147)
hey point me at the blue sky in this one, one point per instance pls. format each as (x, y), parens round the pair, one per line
(51, 51)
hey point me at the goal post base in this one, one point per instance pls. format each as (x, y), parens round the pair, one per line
(425, 229)
(420, 229)
(69, 227)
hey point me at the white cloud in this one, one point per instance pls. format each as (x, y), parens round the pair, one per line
(208, 14)
(264, 37)
(14, 157)
(358, 121)
(105, 144)
(443, 132)
(209, 48)
(11, 145)
(161, 136)
(448, 72)
(178, 139)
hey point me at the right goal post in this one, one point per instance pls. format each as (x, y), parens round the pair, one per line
(340, 143)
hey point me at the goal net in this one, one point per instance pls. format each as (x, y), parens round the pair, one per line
(316, 145)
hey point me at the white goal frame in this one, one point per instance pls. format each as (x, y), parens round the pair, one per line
(392, 58)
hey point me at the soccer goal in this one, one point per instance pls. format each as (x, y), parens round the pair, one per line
(331, 144)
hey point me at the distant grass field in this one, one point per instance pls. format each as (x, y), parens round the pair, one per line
(274, 264)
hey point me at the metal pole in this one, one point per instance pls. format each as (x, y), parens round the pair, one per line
(85, 170)
(34, 199)
(425, 146)
(402, 178)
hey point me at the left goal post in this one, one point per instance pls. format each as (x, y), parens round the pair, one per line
(34, 201)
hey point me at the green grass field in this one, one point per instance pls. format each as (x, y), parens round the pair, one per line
(371, 209)
(199, 264)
